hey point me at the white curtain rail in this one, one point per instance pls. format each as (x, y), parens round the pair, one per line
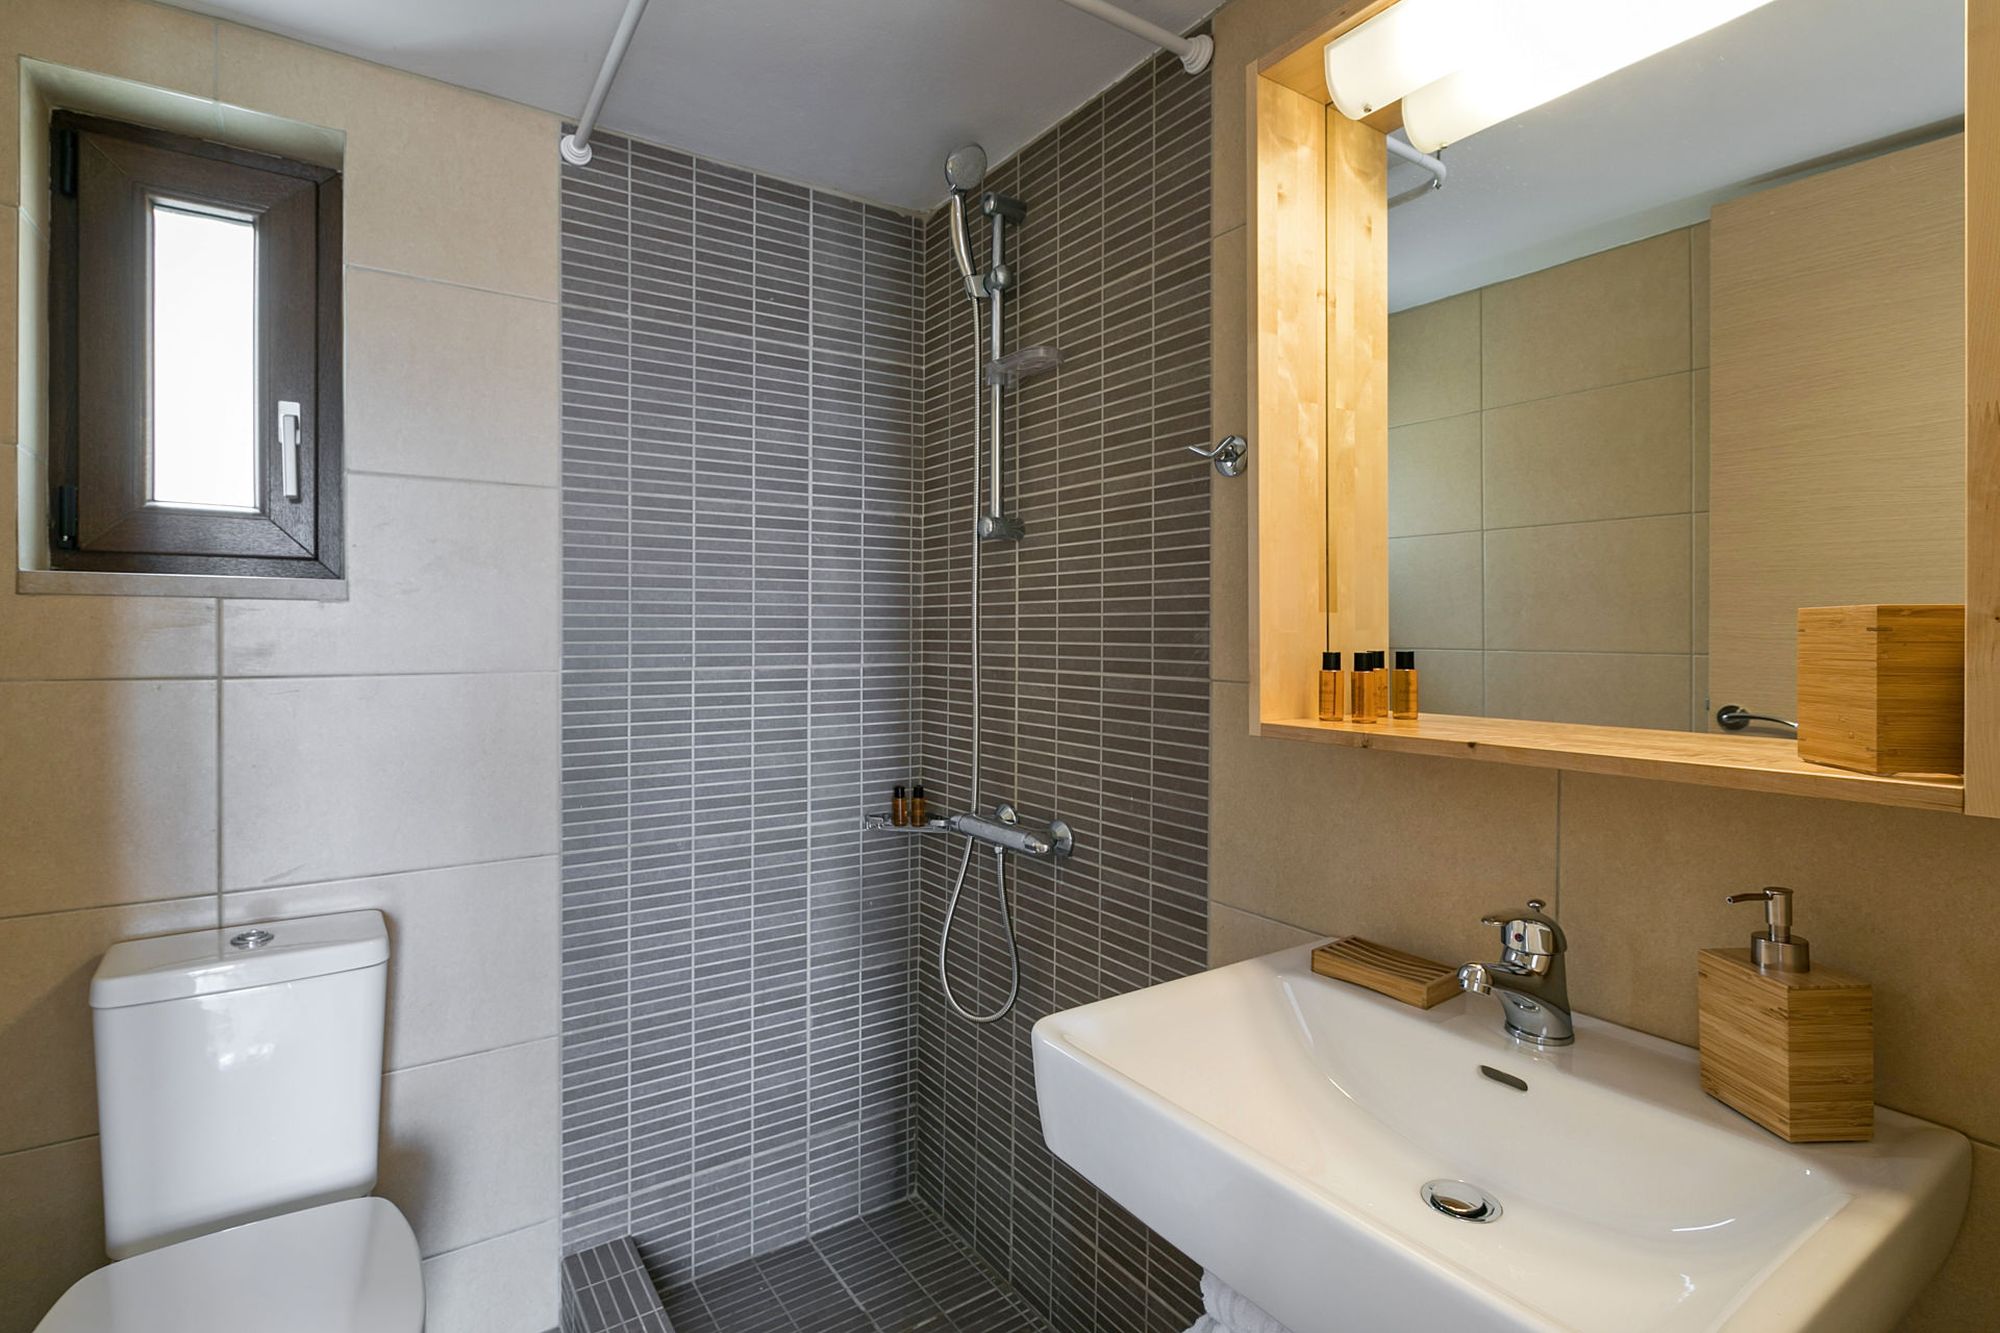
(1195, 52)
(576, 146)
(1434, 165)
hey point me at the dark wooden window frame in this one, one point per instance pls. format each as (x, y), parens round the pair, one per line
(105, 176)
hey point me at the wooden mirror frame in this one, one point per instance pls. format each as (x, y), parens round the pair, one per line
(1318, 377)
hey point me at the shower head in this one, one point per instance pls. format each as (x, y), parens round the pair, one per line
(965, 169)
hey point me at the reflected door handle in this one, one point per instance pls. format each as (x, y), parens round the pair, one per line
(288, 448)
(1734, 717)
(1230, 456)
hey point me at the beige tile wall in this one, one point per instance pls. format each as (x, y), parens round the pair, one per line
(1310, 840)
(1543, 513)
(172, 764)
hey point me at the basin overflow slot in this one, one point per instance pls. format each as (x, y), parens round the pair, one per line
(1501, 1076)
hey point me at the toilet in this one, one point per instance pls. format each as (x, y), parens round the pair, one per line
(239, 1089)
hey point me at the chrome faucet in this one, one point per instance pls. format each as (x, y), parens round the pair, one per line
(1529, 979)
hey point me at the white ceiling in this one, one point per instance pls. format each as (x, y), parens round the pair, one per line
(1653, 147)
(861, 96)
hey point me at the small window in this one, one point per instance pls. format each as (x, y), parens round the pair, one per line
(194, 379)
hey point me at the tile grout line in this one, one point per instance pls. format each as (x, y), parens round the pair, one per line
(812, 565)
(626, 874)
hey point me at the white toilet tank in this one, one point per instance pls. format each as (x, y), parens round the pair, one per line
(239, 1074)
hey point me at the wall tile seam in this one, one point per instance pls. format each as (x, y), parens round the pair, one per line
(552, 854)
(352, 266)
(554, 1033)
(623, 440)
(199, 678)
(522, 673)
(390, 474)
(1570, 522)
(221, 750)
(551, 1039)
(508, 1234)
(140, 904)
(54, 1143)
(1479, 380)
(1487, 409)
(1536, 527)
(1407, 422)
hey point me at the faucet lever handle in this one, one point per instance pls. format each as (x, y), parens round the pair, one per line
(1528, 930)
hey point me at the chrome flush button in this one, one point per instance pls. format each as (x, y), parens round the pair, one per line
(251, 939)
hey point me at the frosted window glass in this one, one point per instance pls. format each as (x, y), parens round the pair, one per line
(204, 360)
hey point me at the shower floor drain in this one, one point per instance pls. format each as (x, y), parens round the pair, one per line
(1460, 1201)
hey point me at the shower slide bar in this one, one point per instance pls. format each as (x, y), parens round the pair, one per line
(1195, 52)
(576, 146)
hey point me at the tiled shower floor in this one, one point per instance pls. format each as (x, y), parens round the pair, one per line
(896, 1271)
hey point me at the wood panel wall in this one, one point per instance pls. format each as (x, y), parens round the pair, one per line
(1287, 398)
(1357, 378)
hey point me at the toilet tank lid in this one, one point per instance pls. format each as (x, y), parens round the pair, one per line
(209, 962)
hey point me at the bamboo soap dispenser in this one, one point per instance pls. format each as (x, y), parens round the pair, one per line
(1789, 1045)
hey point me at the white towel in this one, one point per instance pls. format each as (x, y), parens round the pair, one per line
(1206, 1324)
(1231, 1312)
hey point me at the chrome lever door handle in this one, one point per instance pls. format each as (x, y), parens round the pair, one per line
(1735, 717)
(1230, 455)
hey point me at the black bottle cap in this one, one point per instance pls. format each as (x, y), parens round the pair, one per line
(899, 791)
(917, 790)
(1374, 662)
(1406, 659)
(1329, 661)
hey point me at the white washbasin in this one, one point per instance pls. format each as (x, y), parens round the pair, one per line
(1277, 1127)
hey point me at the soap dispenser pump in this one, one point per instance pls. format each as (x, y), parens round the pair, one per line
(1775, 948)
(1790, 1046)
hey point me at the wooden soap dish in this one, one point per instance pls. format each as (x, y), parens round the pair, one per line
(1391, 972)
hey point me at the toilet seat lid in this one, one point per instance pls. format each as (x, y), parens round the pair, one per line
(347, 1267)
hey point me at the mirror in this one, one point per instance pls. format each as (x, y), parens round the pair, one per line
(1675, 355)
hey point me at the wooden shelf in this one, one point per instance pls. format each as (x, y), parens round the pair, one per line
(1748, 763)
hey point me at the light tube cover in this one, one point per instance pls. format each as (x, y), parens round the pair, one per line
(1461, 67)
(1406, 46)
(1542, 49)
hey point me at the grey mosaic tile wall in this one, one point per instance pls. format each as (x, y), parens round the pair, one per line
(738, 517)
(1096, 673)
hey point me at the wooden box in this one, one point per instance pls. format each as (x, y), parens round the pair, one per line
(1794, 1051)
(1882, 688)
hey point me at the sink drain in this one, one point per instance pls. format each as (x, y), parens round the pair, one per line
(1463, 1202)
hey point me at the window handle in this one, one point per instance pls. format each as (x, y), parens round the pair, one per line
(288, 447)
